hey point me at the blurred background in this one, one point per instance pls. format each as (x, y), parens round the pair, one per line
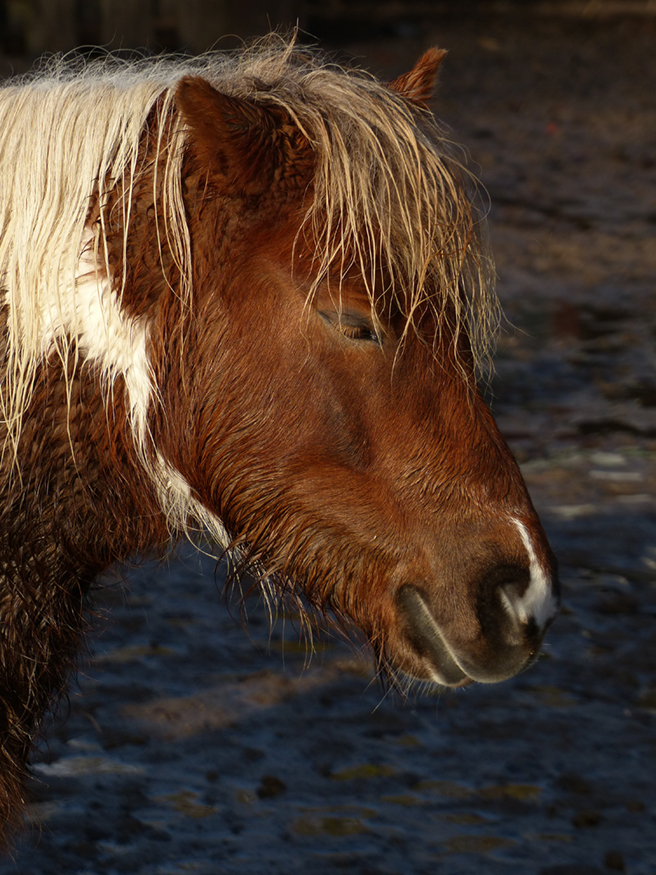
(29, 28)
(194, 747)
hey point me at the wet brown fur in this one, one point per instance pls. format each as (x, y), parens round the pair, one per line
(68, 517)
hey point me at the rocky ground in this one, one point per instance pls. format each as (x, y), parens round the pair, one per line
(195, 747)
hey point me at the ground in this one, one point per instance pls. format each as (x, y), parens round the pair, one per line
(194, 747)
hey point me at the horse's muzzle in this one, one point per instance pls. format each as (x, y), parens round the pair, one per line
(506, 645)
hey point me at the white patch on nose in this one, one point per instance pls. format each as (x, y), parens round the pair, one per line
(538, 602)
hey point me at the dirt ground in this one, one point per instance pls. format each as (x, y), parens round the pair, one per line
(194, 747)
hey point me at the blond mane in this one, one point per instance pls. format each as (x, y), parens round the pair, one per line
(388, 193)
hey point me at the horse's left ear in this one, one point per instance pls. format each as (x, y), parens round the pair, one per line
(419, 83)
(251, 148)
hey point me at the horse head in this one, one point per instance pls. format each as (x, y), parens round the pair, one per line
(331, 419)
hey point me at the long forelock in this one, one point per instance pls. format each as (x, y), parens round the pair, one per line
(390, 196)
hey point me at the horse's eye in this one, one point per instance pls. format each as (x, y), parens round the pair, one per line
(353, 327)
(360, 332)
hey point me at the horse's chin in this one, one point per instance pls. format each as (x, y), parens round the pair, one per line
(426, 672)
(437, 678)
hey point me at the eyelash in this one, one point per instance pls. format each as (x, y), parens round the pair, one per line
(359, 332)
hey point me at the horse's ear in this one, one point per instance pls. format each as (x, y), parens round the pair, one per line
(251, 147)
(419, 83)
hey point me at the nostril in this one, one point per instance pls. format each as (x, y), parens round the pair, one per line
(512, 604)
(500, 595)
(533, 606)
(504, 611)
(519, 626)
(524, 599)
(512, 624)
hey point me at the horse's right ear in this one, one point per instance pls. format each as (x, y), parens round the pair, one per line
(251, 147)
(419, 83)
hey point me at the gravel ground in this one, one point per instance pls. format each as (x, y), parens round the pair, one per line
(193, 746)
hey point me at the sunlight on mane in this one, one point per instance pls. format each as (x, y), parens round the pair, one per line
(388, 194)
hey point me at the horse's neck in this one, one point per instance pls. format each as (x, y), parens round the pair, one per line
(75, 472)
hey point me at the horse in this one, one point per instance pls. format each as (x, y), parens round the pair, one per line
(250, 295)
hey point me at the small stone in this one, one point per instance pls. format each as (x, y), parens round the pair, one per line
(615, 861)
(586, 818)
(636, 806)
(572, 782)
(270, 786)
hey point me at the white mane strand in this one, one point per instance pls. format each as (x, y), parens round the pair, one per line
(65, 140)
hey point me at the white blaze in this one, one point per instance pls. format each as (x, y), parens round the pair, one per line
(538, 602)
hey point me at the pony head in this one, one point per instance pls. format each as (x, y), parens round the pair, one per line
(321, 404)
